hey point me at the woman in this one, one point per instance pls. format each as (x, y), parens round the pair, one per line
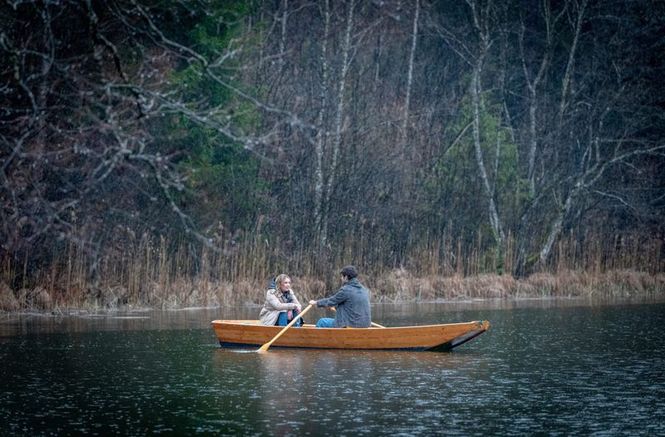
(281, 304)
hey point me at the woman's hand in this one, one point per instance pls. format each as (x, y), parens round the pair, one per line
(298, 308)
(312, 302)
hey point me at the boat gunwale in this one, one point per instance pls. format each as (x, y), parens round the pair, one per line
(255, 323)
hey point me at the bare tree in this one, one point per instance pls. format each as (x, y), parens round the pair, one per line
(481, 23)
(533, 82)
(409, 82)
(339, 115)
(112, 113)
(321, 133)
(79, 136)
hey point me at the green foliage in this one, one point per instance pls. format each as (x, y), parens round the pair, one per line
(218, 34)
(224, 180)
(456, 185)
(223, 183)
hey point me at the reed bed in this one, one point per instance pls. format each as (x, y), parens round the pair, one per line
(158, 273)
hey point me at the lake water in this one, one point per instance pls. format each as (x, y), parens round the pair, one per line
(544, 367)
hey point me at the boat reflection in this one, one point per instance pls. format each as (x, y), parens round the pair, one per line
(310, 390)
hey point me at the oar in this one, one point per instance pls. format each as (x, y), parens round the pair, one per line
(265, 347)
(373, 324)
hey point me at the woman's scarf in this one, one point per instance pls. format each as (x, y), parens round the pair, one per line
(287, 297)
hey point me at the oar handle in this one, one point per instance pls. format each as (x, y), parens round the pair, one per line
(265, 347)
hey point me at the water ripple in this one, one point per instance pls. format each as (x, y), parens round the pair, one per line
(557, 371)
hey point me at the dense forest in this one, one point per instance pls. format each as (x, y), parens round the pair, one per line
(146, 142)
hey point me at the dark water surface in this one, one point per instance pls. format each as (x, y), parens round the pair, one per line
(545, 367)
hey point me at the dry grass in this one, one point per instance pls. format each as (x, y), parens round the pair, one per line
(400, 286)
(395, 286)
(8, 301)
(162, 274)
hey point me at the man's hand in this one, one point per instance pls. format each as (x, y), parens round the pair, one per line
(312, 302)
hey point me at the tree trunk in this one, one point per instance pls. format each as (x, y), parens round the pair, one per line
(476, 90)
(557, 226)
(409, 82)
(337, 140)
(321, 133)
(533, 86)
(282, 40)
(493, 212)
(565, 82)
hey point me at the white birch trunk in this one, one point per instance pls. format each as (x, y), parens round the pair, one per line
(565, 82)
(321, 133)
(337, 141)
(493, 212)
(282, 40)
(475, 90)
(409, 82)
(533, 87)
(557, 226)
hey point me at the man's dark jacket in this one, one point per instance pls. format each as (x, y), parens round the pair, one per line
(352, 303)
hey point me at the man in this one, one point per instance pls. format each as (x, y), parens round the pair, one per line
(351, 302)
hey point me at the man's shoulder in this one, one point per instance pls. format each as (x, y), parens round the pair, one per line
(354, 285)
(346, 287)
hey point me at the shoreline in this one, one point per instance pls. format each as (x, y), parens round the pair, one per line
(395, 287)
(127, 313)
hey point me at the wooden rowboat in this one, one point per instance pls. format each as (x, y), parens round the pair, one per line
(250, 333)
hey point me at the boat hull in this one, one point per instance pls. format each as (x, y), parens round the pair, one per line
(444, 337)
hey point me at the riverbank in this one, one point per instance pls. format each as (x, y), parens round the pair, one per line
(396, 286)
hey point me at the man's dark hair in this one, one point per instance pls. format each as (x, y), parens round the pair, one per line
(349, 271)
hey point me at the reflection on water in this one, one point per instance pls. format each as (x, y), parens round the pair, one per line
(544, 367)
(362, 392)
(21, 324)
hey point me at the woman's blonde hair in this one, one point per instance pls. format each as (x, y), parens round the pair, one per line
(278, 281)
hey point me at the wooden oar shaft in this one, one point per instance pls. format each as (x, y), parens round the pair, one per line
(373, 324)
(265, 347)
